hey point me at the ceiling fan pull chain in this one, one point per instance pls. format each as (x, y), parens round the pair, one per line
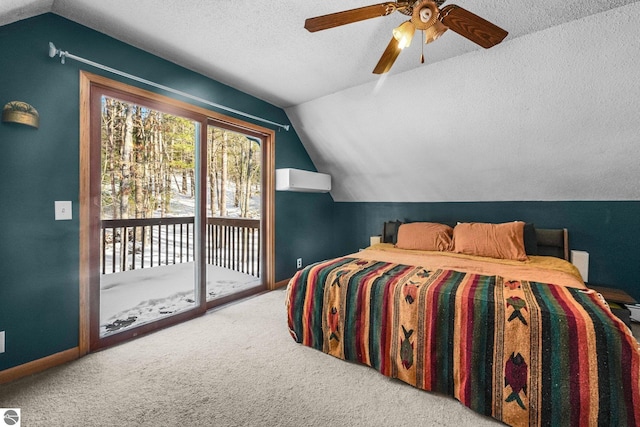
(422, 44)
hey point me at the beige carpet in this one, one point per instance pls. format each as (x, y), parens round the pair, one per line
(236, 366)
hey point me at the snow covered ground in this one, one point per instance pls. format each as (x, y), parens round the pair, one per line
(134, 297)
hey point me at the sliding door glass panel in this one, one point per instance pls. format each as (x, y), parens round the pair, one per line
(148, 210)
(234, 208)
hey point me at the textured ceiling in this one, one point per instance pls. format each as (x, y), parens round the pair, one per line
(549, 114)
(262, 47)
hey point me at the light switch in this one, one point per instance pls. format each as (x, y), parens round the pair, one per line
(63, 210)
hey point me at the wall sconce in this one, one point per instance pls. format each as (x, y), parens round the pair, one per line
(20, 112)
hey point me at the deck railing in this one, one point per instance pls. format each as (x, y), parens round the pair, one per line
(232, 243)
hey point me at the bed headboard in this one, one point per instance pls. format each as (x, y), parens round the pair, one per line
(550, 241)
(390, 231)
(553, 242)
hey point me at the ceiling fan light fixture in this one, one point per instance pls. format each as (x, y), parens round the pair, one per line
(433, 32)
(425, 14)
(404, 34)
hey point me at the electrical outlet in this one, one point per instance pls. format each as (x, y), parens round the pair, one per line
(299, 263)
(1, 341)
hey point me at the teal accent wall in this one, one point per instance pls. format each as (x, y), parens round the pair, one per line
(608, 230)
(39, 258)
(304, 221)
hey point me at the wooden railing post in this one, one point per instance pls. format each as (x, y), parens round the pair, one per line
(232, 243)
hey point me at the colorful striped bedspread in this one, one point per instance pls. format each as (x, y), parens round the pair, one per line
(522, 352)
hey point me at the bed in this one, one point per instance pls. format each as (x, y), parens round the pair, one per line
(514, 336)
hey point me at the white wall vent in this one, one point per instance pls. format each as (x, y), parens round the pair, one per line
(304, 181)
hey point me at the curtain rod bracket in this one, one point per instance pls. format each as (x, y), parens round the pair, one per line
(53, 51)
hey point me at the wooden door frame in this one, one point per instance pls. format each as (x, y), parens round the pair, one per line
(89, 212)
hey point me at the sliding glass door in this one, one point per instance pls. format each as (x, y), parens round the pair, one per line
(150, 227)
(148, 212)
(176, 212)
(234, 211)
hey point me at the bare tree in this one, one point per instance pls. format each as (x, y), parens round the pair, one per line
(224, 171)
(148, 156)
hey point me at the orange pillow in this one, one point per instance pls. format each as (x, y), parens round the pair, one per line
(424, 236)
(504, 241)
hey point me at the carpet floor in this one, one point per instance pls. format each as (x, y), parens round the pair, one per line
(235, 366)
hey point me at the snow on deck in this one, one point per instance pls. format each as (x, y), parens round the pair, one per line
(134, 297)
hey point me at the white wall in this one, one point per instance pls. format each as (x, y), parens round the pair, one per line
(554, 115)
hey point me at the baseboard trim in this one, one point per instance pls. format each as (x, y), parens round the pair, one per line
(281, 283)
(39, 365)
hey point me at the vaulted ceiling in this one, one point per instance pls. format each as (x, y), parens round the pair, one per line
(549, 114)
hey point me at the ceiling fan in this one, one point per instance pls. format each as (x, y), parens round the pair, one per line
(425, 16)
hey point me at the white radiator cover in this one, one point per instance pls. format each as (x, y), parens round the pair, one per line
(304, 181)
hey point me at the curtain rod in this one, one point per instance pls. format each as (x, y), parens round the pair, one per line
(53, 51)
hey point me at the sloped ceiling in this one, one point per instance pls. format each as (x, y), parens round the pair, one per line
(549, 114)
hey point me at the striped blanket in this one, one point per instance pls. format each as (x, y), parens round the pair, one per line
(525, 353)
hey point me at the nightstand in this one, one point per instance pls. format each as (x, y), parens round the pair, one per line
(617, 299)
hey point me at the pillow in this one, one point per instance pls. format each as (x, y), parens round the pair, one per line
(390, 231)
(424, 236)
(530, 239)
(503, 241)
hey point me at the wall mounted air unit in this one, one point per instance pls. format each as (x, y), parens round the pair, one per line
(304, 181)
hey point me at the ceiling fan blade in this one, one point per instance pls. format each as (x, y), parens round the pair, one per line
(471, 26)
(348, 16)
(388, 57)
